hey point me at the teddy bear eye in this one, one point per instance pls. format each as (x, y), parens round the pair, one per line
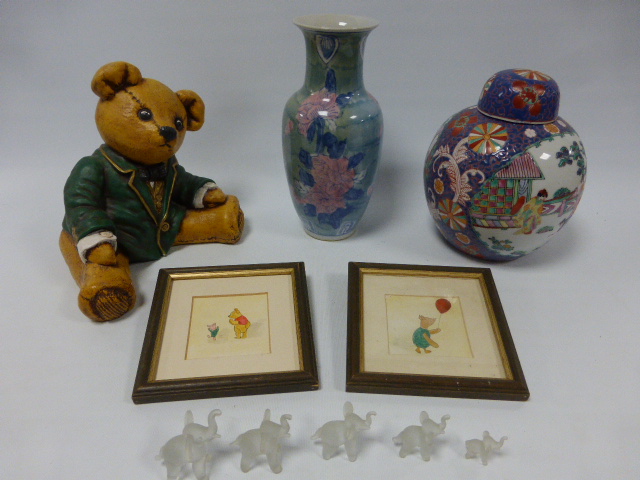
(179, 124)
(145, 114)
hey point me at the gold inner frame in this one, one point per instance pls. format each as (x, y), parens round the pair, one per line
(175, 276)
(478, 276)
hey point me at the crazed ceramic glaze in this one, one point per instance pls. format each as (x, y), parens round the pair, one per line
(503, 177)
(332, 128)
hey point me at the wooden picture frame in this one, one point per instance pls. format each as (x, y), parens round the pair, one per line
(389, 352)
(193, 350)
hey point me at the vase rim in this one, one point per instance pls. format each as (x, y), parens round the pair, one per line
(335, 23)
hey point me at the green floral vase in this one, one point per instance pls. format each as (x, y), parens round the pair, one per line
(332, 128)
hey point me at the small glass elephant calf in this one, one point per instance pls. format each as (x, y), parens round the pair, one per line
(264, 441)
(421, 436)
(345, 432)
(483, 448)
(192, 447)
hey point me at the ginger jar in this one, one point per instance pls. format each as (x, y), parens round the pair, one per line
(501, 178)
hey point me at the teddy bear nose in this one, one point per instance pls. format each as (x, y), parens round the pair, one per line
(168, 133)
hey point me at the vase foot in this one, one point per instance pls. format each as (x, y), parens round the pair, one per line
(330, 238)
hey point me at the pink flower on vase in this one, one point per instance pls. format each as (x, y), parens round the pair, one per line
(333, 179)
(321, 104)
(288, 128)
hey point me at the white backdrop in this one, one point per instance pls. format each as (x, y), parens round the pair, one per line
(65, 386)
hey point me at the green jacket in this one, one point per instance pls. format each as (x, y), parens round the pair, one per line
(104, 192)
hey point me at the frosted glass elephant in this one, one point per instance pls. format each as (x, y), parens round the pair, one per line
(345, 432)
(264, 441)
(483, 448)
(421, 436)
(191, 447)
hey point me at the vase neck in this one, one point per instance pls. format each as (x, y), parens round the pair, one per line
(334, 60)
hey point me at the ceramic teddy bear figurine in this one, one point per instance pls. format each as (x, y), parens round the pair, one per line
(421, 436)
(191, 447)
(264, 441)
(130, 201)
(483, 448)
(345, 432)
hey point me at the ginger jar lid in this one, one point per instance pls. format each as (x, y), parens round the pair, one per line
(520, 95)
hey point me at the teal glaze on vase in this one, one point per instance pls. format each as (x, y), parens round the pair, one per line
(332, 128)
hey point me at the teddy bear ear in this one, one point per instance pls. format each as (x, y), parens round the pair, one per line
(113, 77)
(194, 106)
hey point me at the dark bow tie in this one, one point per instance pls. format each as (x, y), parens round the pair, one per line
(153, 173)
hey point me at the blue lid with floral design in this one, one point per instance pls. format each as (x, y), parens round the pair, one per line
(520, 95)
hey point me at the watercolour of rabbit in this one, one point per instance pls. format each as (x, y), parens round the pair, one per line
(421, 436)
(192, 447)
(345, 432)
(264, 441)
(483, 448)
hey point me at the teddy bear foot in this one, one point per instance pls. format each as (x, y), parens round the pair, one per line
(108, 303)
(221, 224)
(106, 292)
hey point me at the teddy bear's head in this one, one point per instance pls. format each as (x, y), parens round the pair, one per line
(141, 118)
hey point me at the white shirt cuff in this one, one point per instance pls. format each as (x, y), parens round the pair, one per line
(198, 198)
(93, 240)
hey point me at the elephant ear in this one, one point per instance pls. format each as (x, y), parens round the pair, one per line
(347, 409)
(188, 417)
(194, 106)
(114, 77)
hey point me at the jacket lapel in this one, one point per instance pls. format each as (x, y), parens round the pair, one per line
(138, 185)
(168, 187)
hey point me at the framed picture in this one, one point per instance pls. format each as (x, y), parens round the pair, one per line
(226, 331)
(437, 331)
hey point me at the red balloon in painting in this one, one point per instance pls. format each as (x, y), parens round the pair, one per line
(443, 305)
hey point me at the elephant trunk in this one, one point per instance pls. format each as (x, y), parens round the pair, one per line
(369, 415)
(213, 425)
(443, 422)
(284, 421)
